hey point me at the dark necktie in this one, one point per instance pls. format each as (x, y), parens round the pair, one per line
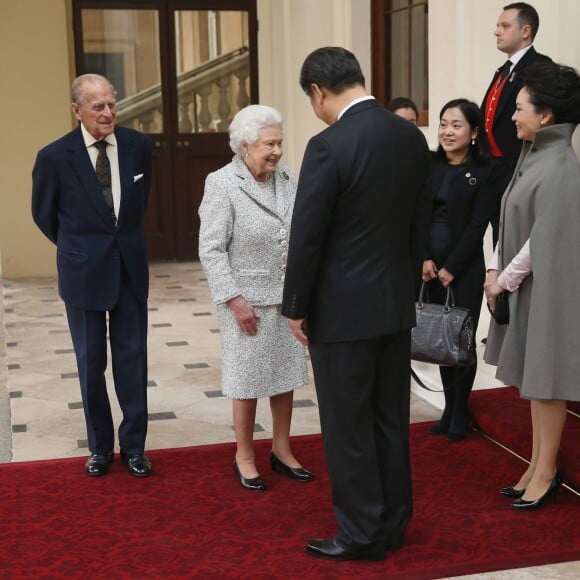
(103, 169)
(504, 71)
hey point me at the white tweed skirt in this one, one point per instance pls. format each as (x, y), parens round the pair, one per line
(270, 363)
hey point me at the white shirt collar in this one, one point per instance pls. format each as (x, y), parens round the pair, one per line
(90, 140)
(353, 103)
(518, 56)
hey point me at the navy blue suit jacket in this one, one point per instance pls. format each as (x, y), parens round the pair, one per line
(69, 207)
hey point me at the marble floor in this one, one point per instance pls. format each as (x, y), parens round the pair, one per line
(41, 414)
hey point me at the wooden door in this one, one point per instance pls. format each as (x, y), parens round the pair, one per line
(181, 69)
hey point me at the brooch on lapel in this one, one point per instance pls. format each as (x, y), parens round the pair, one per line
(285, 175)
(470, 180)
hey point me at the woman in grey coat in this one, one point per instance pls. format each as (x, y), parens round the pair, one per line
(537, 259)
(245, 221)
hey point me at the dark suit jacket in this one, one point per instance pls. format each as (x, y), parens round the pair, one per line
(470, 204)
(69, 207)
(504, 130)
(359, 227)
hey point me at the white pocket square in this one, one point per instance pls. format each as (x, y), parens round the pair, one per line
(137, 177)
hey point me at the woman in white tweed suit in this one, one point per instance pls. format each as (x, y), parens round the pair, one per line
(243, 241)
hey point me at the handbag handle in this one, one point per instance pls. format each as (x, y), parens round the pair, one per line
(449, 298)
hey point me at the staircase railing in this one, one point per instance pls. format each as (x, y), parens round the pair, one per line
(207, 96)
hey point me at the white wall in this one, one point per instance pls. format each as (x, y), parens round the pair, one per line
(289, 31)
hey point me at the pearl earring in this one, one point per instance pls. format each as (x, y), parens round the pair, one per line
(472, 142)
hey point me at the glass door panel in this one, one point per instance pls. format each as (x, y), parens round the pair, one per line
(124, 46)
(212, 50)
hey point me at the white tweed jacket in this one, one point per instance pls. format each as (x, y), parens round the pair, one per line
(243, 238)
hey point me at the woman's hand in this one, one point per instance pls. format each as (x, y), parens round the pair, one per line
(445, 277)
(429, 271)
(245, 314)
(491, 288)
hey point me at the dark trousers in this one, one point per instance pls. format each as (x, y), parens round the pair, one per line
(128, 340)
(363, 390)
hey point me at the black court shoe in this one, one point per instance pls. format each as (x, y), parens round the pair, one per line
(511, 492)
(253, 484)
(298, 473)
(534, 504)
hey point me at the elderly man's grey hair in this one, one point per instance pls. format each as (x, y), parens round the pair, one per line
(248, 124)
(81, 81)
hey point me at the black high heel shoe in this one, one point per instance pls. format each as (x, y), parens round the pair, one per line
(534, 504)
(298, 473)
(511, 492)
(253, 484)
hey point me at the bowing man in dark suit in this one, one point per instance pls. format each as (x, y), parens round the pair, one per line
(357, 240)
(515, 32)
(89, 194)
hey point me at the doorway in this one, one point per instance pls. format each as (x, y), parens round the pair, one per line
(181, 69)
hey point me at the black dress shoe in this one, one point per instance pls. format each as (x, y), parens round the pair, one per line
(394, 543)
(534, 504)
(298, 473)
(330, 549)
(439, 428)
(99, 463)
(138, 464)
(511, 492)
(253, 484)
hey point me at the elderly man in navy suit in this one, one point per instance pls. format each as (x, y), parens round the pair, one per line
(89, 195)
(357, 240)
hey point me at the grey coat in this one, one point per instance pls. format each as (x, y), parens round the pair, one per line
(539, 349)
(243, 240)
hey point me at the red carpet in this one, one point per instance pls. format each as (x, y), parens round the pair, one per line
(503, 415)
(191, 519)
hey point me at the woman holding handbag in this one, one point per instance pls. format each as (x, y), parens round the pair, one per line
(464, 186)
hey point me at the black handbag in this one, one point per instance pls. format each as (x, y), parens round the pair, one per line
(501, 314)
(444, 334)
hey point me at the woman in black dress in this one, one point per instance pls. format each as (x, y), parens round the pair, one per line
(463, 200)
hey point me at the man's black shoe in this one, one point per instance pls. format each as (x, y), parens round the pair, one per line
(98, 463)
(332, 550)
(138, 464)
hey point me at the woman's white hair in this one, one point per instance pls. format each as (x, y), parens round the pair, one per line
(248, 124)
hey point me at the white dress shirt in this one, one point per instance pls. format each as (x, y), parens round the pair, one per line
(513, 274)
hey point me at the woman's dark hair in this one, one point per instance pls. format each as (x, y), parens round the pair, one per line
(333, 68)
(554, 87)
(480, 150)
(402, 103)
